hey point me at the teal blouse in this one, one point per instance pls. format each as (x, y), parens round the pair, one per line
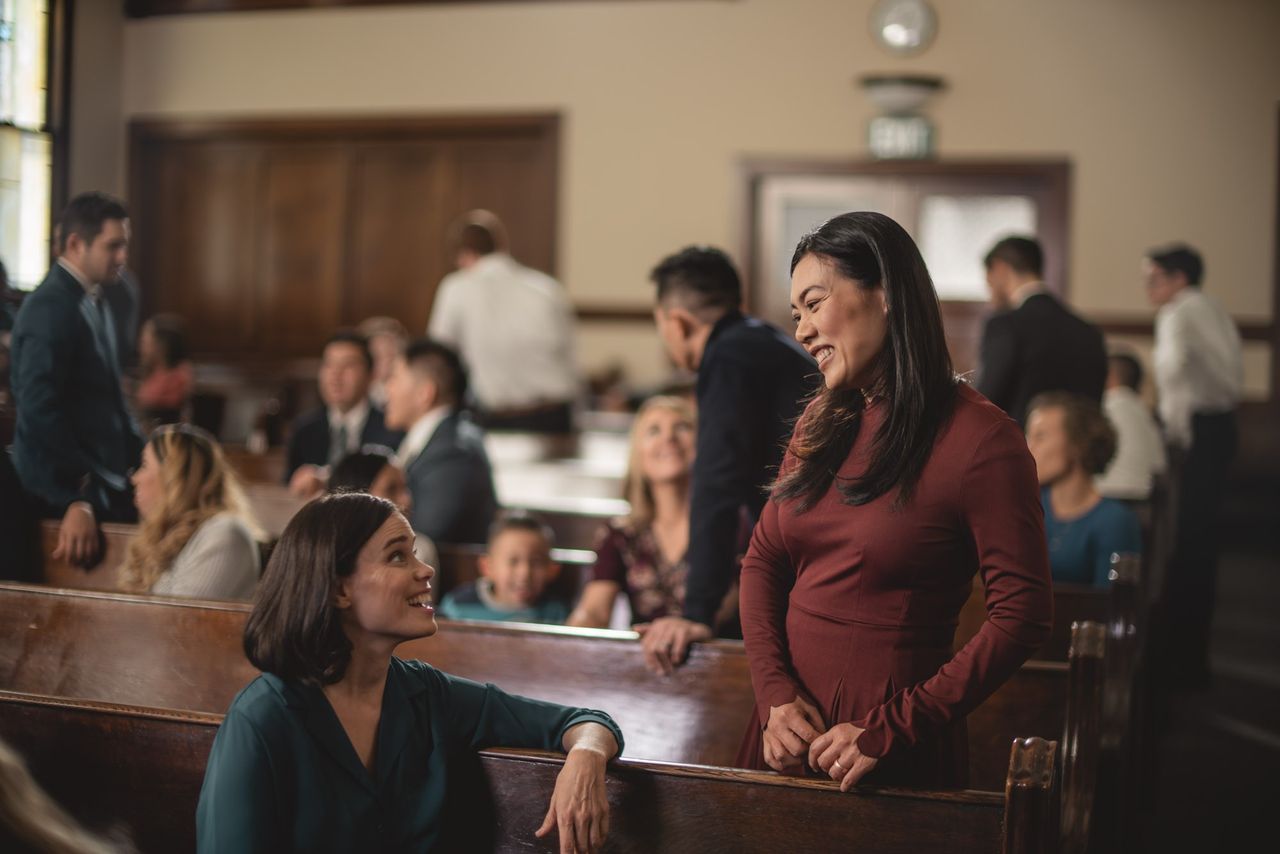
(283, 776)
(1080, 549)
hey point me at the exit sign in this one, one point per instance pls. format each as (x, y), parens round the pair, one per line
(900, 138)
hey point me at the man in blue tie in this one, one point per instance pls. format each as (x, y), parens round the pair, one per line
(75, 440)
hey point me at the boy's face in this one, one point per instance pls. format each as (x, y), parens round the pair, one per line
(519, 565)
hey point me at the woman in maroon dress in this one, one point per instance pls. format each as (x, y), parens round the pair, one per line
(898, 485)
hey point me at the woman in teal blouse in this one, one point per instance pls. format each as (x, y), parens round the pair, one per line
(1072, 442)
(339, 746)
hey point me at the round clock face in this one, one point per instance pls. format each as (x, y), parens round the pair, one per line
(904, 26)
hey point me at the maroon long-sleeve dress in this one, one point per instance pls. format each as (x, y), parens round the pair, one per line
(855, 608)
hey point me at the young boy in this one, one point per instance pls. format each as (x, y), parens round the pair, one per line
(515, 574)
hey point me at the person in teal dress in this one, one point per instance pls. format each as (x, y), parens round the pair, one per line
(340, 746)
(515, 570)
(1072, 443)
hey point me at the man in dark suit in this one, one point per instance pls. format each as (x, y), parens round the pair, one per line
(1034, 343)
(347, 421)
(443, 453)
(752, 381)
(75, 440)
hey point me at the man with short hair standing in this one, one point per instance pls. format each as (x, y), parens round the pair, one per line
(752, 383)
(1199, 373)
(75, 440)
(514, 329)
(1034, 343)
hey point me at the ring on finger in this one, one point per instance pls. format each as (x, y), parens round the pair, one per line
(837, 764)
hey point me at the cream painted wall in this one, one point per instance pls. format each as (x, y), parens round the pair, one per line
(1166, 108)
(97, 130)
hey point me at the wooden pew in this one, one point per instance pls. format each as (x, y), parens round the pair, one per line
(272, 506)
(144, 767)
(267, 467)
(104, 576)
(186, 655)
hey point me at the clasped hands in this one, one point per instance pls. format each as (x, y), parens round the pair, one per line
(796, 734)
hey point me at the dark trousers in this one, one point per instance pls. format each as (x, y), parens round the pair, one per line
(551, 418)
(1193, 567)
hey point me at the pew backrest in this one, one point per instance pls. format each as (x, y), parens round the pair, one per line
(144, 768)
(186, 655)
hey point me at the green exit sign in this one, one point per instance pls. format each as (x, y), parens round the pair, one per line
(900, 138)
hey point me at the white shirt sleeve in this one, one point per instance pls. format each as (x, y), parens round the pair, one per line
(445, 325)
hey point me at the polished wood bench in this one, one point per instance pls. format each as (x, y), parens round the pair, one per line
(186, 655)
(142, 767)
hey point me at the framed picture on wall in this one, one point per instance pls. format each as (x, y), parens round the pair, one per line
(954, 211)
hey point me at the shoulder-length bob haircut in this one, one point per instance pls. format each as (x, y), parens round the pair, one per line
(294, 631)
(913, 371)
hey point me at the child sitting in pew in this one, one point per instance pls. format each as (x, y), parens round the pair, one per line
(516, 572)
(1072, 442)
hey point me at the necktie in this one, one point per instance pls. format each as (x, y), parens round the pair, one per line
(338, 444)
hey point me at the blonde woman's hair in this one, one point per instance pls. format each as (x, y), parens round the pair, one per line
(196, 484)
(32, 820)
(636, 488)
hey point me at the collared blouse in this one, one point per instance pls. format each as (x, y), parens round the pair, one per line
(284, 776)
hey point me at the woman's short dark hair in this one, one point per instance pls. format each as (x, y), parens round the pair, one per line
(357, 471)
(1088, 430)
(913, 370)
(294, 630)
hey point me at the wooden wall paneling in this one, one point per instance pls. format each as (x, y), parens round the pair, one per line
(397, 250)
(303, 247)
(515, 178)
(199, 261)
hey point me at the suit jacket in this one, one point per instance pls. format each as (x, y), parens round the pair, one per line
(1037, 347)
(309, 438)
(751, 385)
(75, 439)
(452, 484)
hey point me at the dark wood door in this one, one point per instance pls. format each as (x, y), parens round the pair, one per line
(267, 236)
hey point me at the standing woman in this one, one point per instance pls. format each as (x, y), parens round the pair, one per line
(899, 484)
(340, 746)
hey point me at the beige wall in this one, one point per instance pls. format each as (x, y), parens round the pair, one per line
(97, 127)
(1166, 108)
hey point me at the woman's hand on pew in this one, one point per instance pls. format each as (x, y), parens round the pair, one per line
(835, 753)
(579, 807)
(791, 729)
(666, 642)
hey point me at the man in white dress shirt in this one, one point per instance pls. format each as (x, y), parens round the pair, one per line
(513, 327)
(1199, 373)
(1140, 454)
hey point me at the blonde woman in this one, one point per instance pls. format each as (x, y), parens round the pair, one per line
(197, 538)
(644, 554)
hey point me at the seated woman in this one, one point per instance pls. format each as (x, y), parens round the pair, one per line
(373, 469)
(644, 555)
(899, 484)
(340, 746)
(167, 376)
(1072, 442)
(196, 536)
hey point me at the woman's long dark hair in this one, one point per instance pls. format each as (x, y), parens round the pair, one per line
(913, 371)
(294, 630)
